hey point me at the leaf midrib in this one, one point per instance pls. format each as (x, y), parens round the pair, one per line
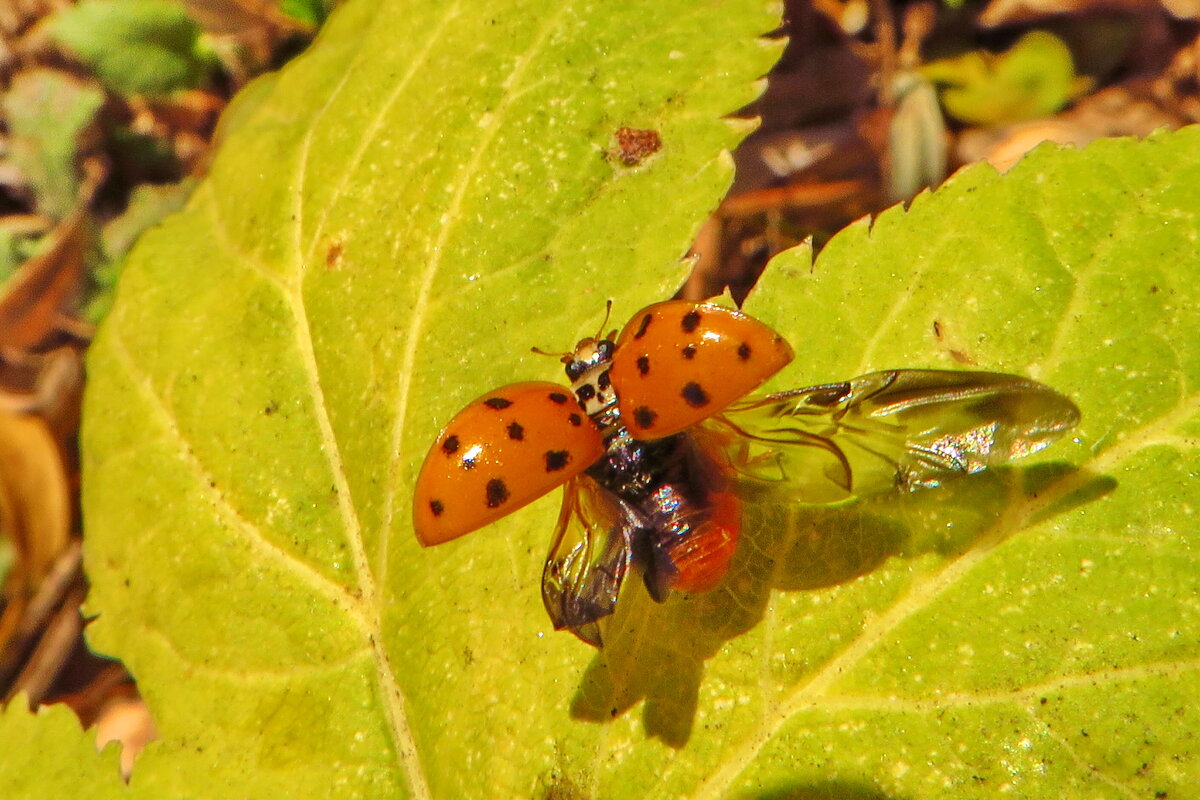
(365, 606)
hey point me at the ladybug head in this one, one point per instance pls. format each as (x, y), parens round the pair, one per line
(587, 355)
(587, 367)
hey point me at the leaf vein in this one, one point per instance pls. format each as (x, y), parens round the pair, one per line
(320, 583)
(425, 281)
(282, 676)
(368, 605)
(432, 41)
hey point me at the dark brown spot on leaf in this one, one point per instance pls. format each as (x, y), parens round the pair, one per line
(436, 507)
(497, 493)
(691, 320)
(333, 256)
(556, 460)
(644, 417)
(695, 396)
(497, 403)
(450, 445)
(515, 431)
(635, 145)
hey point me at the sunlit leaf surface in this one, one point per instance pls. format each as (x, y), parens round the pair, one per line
(388, 229)
(428, 194)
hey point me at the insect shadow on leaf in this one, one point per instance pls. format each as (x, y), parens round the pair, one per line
(656, 652)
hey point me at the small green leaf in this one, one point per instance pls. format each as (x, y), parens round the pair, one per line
(16, 246)
(148, 205)
(311, 12)
(135, 46)
(47, 754)
(1035, 78)
(47, 112)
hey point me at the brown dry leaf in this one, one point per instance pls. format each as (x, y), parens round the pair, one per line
(1111, 112)
(245, 34)
(42, 288)
(18, 15)
(49, 385)
(49, 633)
(35, 511)
(239, 16)
(1007, 12)
(34, 505)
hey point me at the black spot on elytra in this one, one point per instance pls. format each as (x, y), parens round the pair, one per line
(641, 331)
(603, 381)
(643, 364)
(556, 460)
(515, 431)
(468, 462)
(743, 351)
(695, 396)
(497, 403)
(450, 445)
(436, 507)
(585, 393)
(644, 416)
(689, 352)
(575, 420)
(497, 493)
(691, 320)
(558, 398)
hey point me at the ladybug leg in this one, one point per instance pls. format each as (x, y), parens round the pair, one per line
(651, 558)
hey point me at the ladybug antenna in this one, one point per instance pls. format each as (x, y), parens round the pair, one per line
(607, 313)
(563, 357)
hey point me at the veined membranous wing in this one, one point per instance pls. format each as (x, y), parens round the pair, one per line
(900, 429)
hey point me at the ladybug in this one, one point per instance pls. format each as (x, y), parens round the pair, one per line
(657, 439)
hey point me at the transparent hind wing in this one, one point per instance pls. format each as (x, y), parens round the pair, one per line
(898, 429)
(589, 558)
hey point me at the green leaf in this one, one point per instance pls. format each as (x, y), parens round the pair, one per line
(424, 195)
(47, 112)
(135, 46)
(1035, 78)
(17, 244)
(148, 205)
(357, 268)
(1013, 647)
(48, 754)
(311, 12)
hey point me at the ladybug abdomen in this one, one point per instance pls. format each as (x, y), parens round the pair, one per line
(692, 543)
(691, 519)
